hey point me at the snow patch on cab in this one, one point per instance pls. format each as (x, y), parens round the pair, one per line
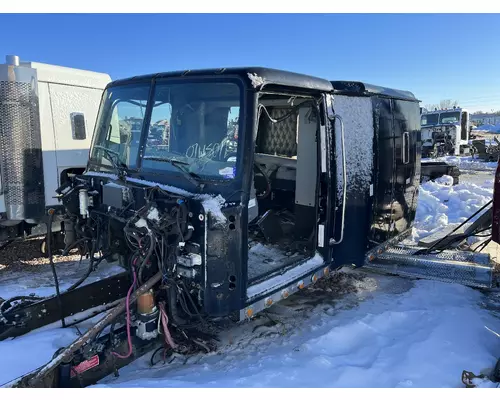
(256, 80)
(357, 116)
(213, 206)
(153, 214)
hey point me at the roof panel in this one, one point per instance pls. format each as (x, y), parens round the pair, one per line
(69, 76)
(367, 89)
(257, 77)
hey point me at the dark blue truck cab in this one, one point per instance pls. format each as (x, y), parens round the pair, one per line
(269, 181)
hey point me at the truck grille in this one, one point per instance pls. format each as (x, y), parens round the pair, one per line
(21, 151)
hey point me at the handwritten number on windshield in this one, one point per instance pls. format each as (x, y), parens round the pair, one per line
(210, 151)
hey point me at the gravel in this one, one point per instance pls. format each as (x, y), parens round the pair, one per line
(26, 255)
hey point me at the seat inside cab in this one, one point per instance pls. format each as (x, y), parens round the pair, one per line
(282, 209)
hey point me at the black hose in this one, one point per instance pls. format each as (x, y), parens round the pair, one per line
(188, 235)
(52, 266)
(191, 301)
(268, 182)
(427, 251)
(172, 305)
(73, 245)
(483, 245)
(140, 269)
(151, 248)
(87, 273)
(4, 304)
(139, 276)
(181, 213)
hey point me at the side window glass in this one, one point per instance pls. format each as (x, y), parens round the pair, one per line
(78, 126)
(230, 143)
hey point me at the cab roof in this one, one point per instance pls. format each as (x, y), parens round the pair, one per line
(257, 77)
(366, 89)
(444, 110)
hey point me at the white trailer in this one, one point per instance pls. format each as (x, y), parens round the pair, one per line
(47, 117)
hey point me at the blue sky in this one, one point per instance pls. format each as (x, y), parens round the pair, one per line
(440, 56)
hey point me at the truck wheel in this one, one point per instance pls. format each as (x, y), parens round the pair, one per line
(43, 248)
(57, 244)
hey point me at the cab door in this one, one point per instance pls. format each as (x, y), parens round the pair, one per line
(382, 227)
(352, 177)
(406, 138)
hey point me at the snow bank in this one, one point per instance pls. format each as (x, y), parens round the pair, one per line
(440, 203)
(465, 163)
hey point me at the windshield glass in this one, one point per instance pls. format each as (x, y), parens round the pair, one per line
(193, 126)
(449, 117)
(429, 119)
(119, 125)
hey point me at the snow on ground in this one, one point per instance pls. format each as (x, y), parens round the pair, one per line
(41, 282)
(465, 163)
(23, 355)
(361, 330)
(440, 203)
(28, 352)
(391, 333)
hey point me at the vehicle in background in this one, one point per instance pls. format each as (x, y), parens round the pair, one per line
(47, 116)
(445, 132)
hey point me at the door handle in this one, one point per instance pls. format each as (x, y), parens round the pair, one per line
(406, 148)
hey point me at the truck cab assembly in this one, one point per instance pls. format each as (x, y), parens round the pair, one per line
(305, 190)
(222, 192)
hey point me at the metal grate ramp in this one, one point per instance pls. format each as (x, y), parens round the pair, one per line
(453, 266)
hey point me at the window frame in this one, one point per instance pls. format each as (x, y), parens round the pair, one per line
(146, 84)
(73, 125)
(199, 79)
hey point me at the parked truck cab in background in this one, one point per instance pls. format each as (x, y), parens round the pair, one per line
(445, 132)
(47, 116)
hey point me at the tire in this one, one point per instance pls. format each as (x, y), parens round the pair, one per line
(43, 248)
(57, 244)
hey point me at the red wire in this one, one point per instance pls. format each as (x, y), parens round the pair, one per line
(127, 305)
(164, 320)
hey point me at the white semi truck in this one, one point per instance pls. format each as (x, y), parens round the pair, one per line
(47, 117)
(445, 132)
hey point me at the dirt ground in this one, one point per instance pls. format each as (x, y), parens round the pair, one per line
(26, 255)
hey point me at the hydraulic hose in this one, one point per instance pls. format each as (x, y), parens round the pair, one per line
(87, 273)
(52, 266)
(146, 259)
